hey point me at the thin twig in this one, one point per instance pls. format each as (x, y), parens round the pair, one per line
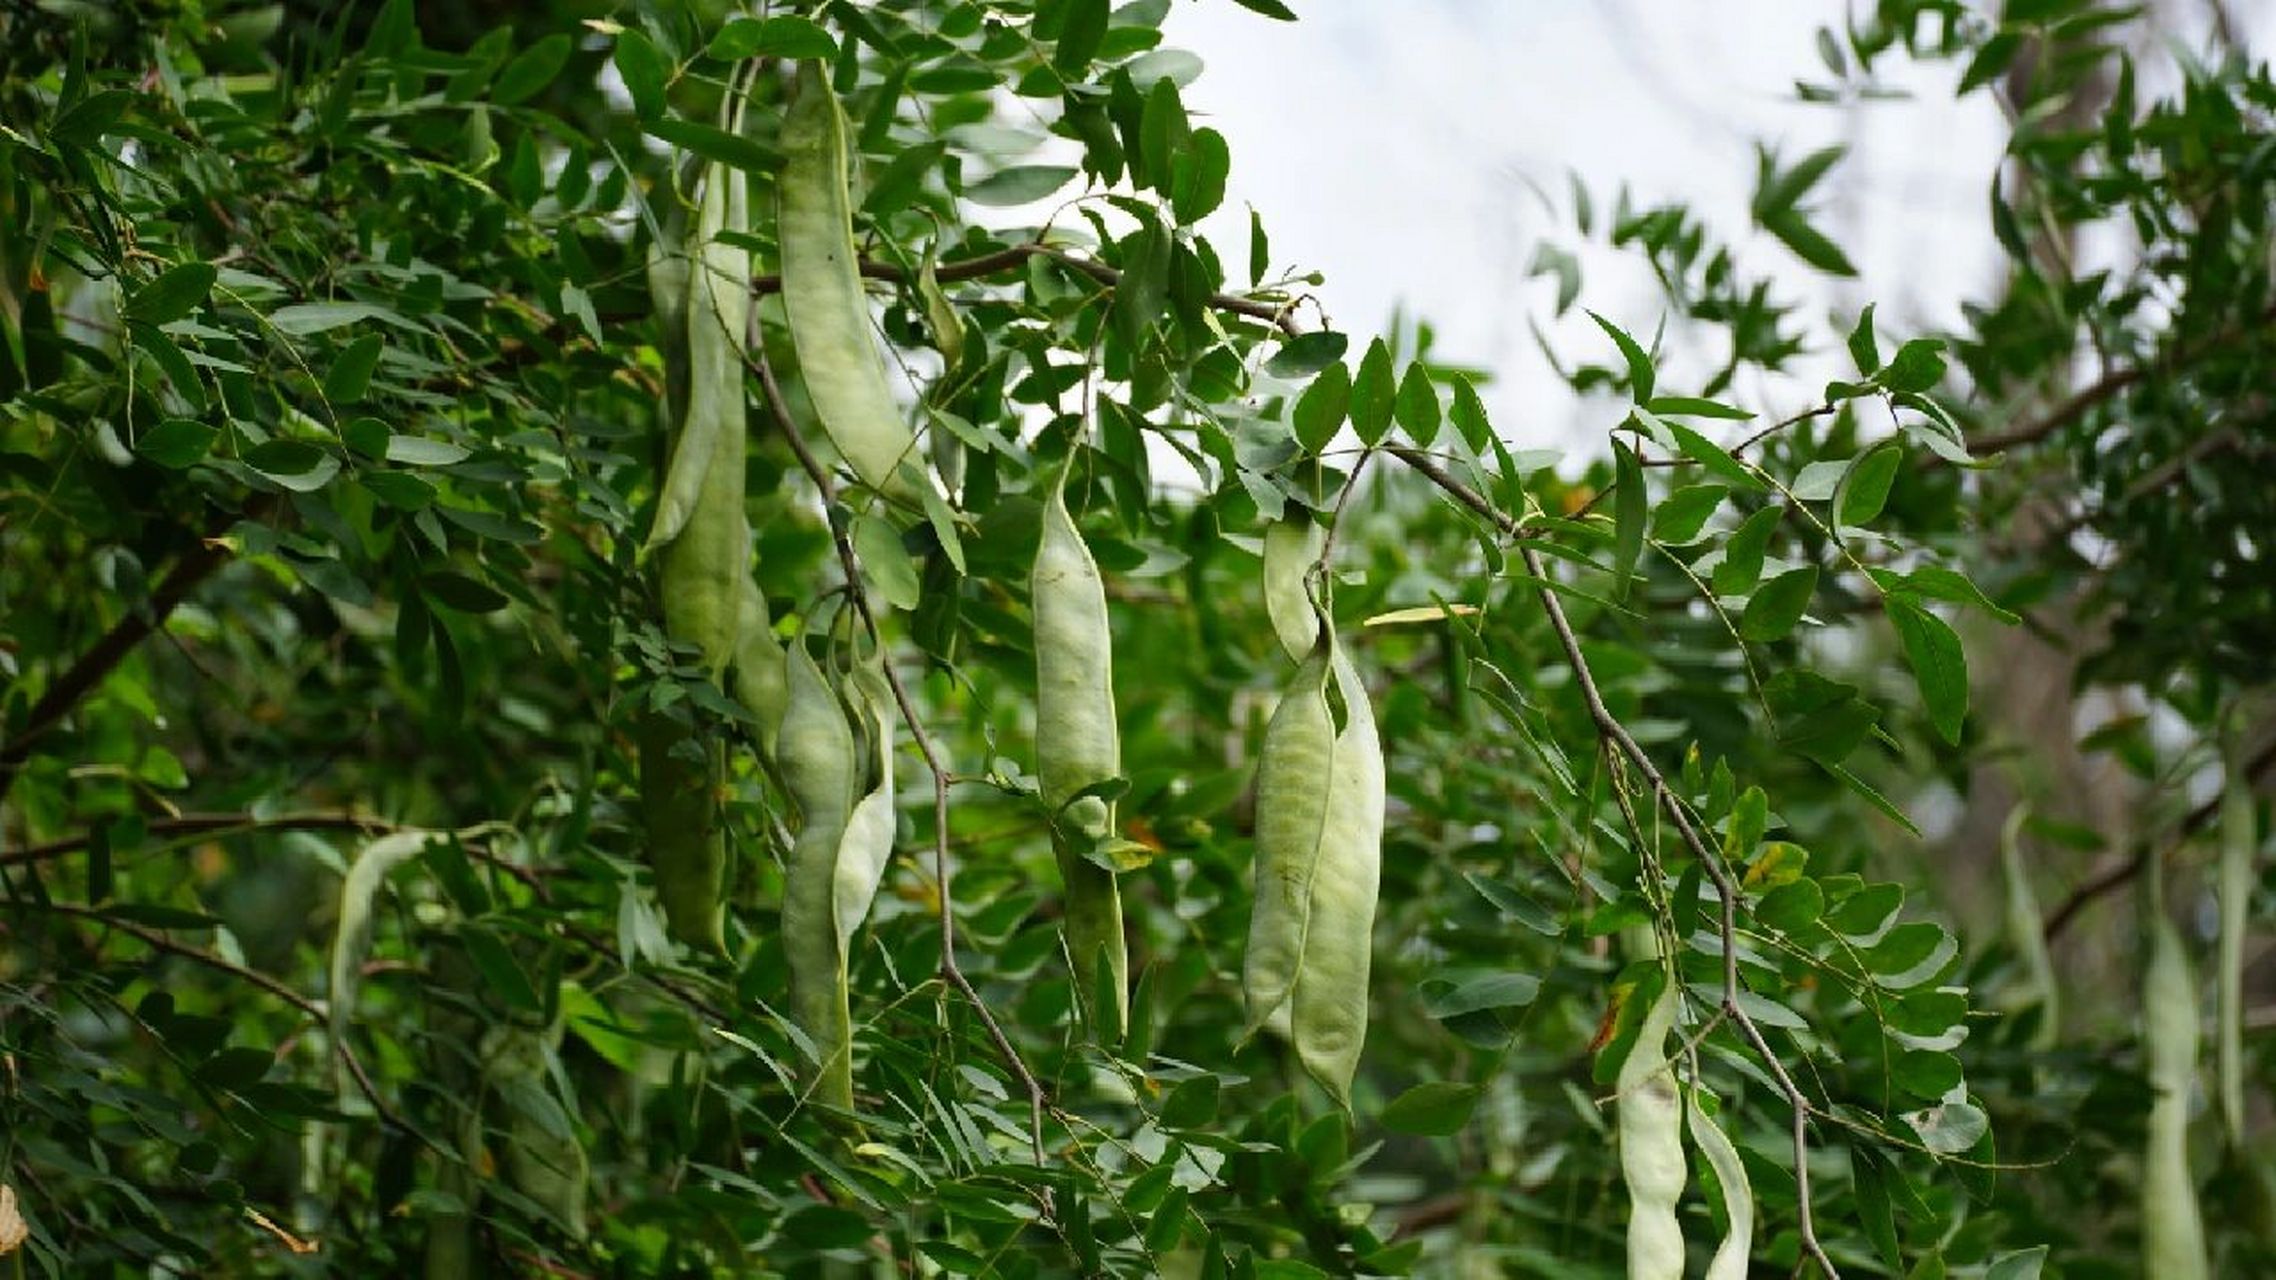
(1710, 861)
(2086, 399)
(160, 942)
(2115, 875)
(942, 776)
(1275, 314)
(208, 824)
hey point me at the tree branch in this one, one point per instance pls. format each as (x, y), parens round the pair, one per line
(1002, 260)
(2110, 385)
(2115, 875)
(196, 563)
(1610, 729)
(207, 823)
(850, 561)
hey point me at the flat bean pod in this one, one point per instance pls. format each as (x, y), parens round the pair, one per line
(680, 775)
(2024, 932)
(1650, 1114)
(1078, 745)
(544, 1160)
(2239, 847)
(1730, 1260)
(1291, 547)
(821, 768)
(761, 674)
(2173, 1229)
(821, 290)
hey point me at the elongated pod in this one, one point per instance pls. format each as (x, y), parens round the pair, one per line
(1078, 745)
(2239, 843)
(1650, 1114)
(2025, 934)
(1730, 1260)
(821, 289)
(680, 773)
(1330, 999)
(2173, 1229)
(821, 768)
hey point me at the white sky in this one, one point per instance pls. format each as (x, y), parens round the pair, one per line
(1401, 148)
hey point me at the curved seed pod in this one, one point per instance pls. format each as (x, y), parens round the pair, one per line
(761, 675)
(1330, 1022)
(544, 1160)
(820, 768)
(668, 300)
(680, 774)
(351, 941)
(1651, 1146)
(1295, 773)
(2173, 1230)
(2024, 932)
(867, 846)
(821, 290)
(947, 330)
(1730, 1260)
(1078, 744)
(2238, 843)
(1290, 549)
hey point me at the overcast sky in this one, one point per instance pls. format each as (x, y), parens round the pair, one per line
(1404, 148)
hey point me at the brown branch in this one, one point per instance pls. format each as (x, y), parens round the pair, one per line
(942, 776)
(1616, 734)
(2115, 875)
(1002, 260)
(196, 563)
(204, 824)
(2110, 385)
(160, 942)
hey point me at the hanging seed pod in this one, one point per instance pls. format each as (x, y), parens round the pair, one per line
(1651, 1145)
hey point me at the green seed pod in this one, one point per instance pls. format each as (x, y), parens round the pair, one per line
(680, 778)
(824, 767)
(1651, 1145)
(2173, 1230)
(543, 1158)
(821, 290)
(2239, 847)
(761, 675)
(1730, 1260)
(2025, 934)
(1291, 547)
(1078, 746)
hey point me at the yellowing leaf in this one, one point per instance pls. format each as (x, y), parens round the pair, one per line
(1420, 613)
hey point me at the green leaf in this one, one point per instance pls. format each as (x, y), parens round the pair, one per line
(1939, 664)
(1321, 409)
(176, 443)
(285, 457)
(1469, 416)
(1307, 354)
(531, 70)
(176, 292)
(1681, 515)
(1935, 582)
(1451, 996)
(1162, 133)
(350, 375)
(1191, 1105)
(502, 975)
(787, 36)
(1926, 1073)
(1741, 566)
(1696, 407)
(1781, 191)
(1808, 243)
(454, 590)
(1435, 1108)
(1792, 907)
(1864, 490)
(1269, 8)
(1640, 373)
(1079, 35)
(1919, 366)
(644, 71)
(1018, 185)
(885, 561)
(419, 451)
(1197, 176)
(1717, 460)
(1777, 605)
(1871, 1175)
(1910, 954)
(399, 489)
(1372, 392)
(1949, 1129)
(1417, 406)
(85, 122)
(1863, 347)
(1629, 504)
(236, 1067)
(709, 142)
(2021, 1264)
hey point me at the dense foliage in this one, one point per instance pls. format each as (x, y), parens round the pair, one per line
(421, 857)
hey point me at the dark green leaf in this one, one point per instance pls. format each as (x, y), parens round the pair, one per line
(1777, 605)
(1416, 407)
(1919, 366)
(350, 374)
(285, 457)
(1629, 506)
(1372, 393)
(176, 443)
(1435, 1108)
(712, 143)
(1682, 514)
(531, 70)
(1020, 184)
(1321, 409)
(1743, 552)
(1307, 354)
(454, 590)
(1939, 664)
(1808, 243)
(176, 292)
(1865, 489)
(644, 71)
(1864, 349)
(1640, 373)
(1469, 416)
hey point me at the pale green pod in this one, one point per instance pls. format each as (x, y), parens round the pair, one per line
(2173, 1229)
(1730, 1260)
(820, 767)
(821, 290)
(1330, 997)
(1295, 772)
(2025, 934)
(1291, 547)
(761, 675)
(351, 939)
(1650, 1114)
(680, 777)
(543, 1158)
(2239, 844)
(867, 846)
(1078, 745)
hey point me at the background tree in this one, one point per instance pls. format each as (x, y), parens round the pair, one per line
(425, 851)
